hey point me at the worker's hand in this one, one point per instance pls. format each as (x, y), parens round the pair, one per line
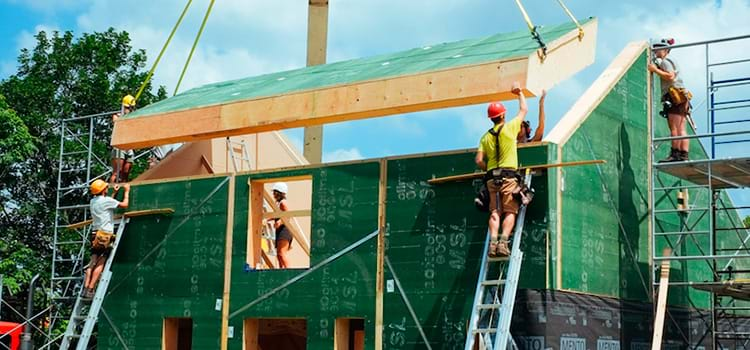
(115, 117)
(126, 187)
(652, 67)
(543, 96)
(516, 88)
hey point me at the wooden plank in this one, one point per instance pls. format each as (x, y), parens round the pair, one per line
(267, 259)
(379, 279)
(471, 176)
(207, 164)
(359, 340)
(661, 305)
(286, 214)
(129, 214)
(301, 239)
(254, 226)
(317, 40)
(341, 334)
(227, 265)
(250, 332)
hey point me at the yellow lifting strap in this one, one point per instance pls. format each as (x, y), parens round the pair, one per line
(164, 48)
(580, 29)
(195, 43)
(542, 53)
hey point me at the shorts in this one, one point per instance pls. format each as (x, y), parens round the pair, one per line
(120, 154)
(103, 252)
(682, 109)
(283, 234)
(507, 199)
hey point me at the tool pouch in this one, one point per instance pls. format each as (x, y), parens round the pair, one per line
(679, 96)
(102, 240)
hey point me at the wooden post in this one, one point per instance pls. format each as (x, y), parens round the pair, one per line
(341, 334)
(250, 334)
(227, 266)
(661, 305)
(382, 188)
(317, 40)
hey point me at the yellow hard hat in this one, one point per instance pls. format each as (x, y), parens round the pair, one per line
(128, 101)
(98, 186)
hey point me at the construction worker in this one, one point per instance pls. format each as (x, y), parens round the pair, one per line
(283, 235)
(122, 160)
(102, 230)
(675, 98)
(498, 147)
(525, 134)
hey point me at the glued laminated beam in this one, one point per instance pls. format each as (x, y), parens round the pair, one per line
(446, 75)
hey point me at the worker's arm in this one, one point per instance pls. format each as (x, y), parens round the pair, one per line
(522, 107)
(540, 129)
(666, 75)
(115, 117)
(479, 159)
(126, 197)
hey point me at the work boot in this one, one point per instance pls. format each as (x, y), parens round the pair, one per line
(492, 252)
(674, 156)
(502, 248)
(684, 156)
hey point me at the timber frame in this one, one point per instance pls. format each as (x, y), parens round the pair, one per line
(450, 87)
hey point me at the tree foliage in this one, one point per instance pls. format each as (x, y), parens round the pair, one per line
(61, 77)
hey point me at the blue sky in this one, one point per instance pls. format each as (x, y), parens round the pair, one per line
(250, 37)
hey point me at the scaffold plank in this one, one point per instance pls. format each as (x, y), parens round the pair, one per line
(725, 173)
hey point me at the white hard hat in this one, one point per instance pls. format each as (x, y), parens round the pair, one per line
(281, 187)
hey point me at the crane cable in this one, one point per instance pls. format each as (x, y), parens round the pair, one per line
(164, 48)
(195, 43)
(542, 53)
(570, 14)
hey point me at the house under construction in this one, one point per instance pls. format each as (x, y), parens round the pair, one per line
(388, 253)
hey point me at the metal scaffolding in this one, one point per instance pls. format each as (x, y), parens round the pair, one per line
(690, 209)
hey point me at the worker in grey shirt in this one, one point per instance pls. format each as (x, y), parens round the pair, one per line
(675, 98)
(102, 229)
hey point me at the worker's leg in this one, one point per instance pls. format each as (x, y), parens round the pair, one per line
(282, 247)
(126, 171)
(87, 279)
(494, 220)
(97, 271)
(510, 209)
(509, 221)
(673, 120)
(117, 164)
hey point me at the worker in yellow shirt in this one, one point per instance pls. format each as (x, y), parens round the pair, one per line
(498, 155)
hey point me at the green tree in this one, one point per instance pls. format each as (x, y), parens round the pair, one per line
(746, 221)
(61, 77)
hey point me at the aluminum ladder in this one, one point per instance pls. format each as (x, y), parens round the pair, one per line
(243, 157)
(86, 310)
(487, 305)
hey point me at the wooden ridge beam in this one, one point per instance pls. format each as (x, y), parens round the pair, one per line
(452, 87)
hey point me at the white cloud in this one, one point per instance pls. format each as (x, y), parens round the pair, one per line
(342, 154)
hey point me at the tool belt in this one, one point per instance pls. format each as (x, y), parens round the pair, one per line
(678, 96)
(500, 174)
(102, 240)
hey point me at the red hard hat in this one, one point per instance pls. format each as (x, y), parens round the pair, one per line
(495, 109)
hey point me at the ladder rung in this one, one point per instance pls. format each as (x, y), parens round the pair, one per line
(673, 233)
(73, 153)
(74, 187)
(69, 278)
(70, 242)
(79, 318)
(485, 330)
(498, 259)
(76, 206)
(488, 306)
(493, 282)
(74, 336)
(73, 170)
(664, 211)
(68, 259)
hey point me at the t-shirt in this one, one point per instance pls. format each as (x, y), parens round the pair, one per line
(103, 212)
(668, 65)
(508, 149)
